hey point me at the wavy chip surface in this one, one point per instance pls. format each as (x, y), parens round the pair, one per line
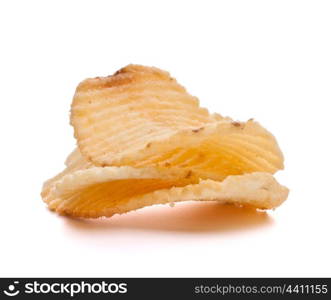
(144, 140)
(98, 192)
(142, 117)
(74, 162)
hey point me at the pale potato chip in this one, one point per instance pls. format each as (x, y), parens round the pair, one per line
(142, 117)
(107, 191)
(258, 190)
(74, 162)
(73, 189)
(76, 159)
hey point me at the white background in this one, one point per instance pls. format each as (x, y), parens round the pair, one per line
(270, 60)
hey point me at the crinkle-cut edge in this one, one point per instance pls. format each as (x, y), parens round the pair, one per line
(87, 177)
(258, 190)
(74, 162)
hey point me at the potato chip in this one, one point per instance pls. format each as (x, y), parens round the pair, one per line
(73, 189)
(134, 106)
(144, 140)
(214, 151)
(142, 117)
(98, 192)
(258, 190)
(74, 162)
(77, 161)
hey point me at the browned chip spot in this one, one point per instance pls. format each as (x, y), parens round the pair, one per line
(236, 124)
(148, 145)
(201, 155)
(189, 174)
(116, 73)
(197, 130)
(167, 164)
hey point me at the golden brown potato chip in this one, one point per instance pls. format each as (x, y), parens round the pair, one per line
(142, 117)
(70, 188)
(107, 191)
(143, 140)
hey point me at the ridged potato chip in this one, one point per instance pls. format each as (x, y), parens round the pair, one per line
(142, 117)
(72, 189)
(144, 140)
(74, 162)
(98, 192)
